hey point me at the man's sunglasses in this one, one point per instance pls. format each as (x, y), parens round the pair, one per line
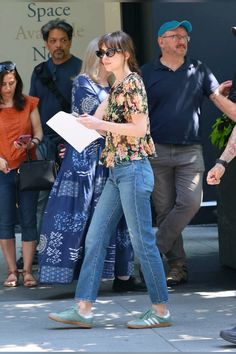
(110, 52)
(7, 67)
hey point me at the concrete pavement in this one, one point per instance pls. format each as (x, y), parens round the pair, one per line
(200, 309)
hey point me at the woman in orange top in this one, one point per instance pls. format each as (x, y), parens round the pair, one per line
(18, 116)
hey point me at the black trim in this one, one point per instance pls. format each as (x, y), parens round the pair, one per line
(222, 162)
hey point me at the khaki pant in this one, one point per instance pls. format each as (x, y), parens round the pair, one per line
(177, 195)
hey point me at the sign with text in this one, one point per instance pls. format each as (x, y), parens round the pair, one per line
(21, 21)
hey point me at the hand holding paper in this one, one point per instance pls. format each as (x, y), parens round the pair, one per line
(69, 128)
(89, 121)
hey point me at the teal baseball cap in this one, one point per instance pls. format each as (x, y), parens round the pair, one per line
(171, 25)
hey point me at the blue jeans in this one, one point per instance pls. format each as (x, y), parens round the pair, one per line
(9, 196)
(128, 189)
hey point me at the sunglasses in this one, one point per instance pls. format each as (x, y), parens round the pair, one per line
(7, 67)
(110, 52)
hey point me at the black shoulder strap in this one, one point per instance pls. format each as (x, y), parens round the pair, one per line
(42, 72)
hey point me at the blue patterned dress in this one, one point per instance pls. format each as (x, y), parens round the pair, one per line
(72, 201)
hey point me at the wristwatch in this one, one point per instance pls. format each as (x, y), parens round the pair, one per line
(222, 162)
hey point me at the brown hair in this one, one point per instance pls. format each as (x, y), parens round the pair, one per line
(19, 98)
(123, 41)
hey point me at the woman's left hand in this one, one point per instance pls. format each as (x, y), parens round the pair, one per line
(89, 121)
(23, 146)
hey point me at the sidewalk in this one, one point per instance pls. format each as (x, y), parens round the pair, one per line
(200, 309)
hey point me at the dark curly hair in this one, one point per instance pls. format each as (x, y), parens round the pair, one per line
(56, 24)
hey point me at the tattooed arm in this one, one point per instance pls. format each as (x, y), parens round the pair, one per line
(230, 151)
(221, 99)
(215, 174)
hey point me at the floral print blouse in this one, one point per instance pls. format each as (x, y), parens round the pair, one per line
(127, 98)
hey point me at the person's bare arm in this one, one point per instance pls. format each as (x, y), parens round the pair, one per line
(137, 127)
(99, 113)
(36, 124)
(215, 174)
(220, 100)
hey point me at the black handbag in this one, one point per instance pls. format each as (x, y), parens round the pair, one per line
(36, 175)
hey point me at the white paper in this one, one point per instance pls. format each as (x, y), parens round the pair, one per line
(67, 126)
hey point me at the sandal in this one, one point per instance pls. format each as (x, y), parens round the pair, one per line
(28, 279)
(12, 280)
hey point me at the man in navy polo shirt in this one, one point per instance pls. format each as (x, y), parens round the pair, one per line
(176, 86)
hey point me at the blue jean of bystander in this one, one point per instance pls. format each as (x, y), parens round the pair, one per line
(9, 196)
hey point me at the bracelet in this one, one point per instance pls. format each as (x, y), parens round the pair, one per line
(34, 142)
(222, 162)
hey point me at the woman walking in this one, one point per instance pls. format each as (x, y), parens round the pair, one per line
(124, 119)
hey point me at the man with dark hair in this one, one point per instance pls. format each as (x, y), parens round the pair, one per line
(56, 24)
(176, 86)
(51, 81)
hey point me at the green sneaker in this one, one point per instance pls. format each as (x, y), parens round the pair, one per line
(150, 319)
(72, 316)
